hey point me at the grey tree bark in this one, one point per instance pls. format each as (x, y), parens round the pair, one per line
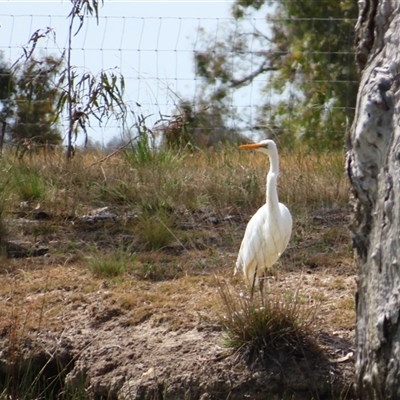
(373, 166)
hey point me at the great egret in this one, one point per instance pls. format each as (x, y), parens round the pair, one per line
(268, 231)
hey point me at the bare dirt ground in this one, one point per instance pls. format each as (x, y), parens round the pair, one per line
(157, 335)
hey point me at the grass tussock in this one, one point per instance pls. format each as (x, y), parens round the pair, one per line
(28, 182)
(112, 264)
(283, 322)
(155, 231)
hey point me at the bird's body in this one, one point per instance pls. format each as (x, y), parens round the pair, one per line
(268, 231)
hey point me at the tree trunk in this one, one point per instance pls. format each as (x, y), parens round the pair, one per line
(373, 166)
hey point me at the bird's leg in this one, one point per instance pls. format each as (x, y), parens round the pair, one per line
(261, 287)
(252, 286)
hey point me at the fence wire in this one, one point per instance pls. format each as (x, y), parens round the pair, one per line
(155, 56)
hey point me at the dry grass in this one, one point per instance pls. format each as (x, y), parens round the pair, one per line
(219, 180)
(313, 180)
(173, 208)
(181, 218)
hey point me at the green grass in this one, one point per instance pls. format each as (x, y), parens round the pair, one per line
(112, 264)
(155, 230)
(28, 182)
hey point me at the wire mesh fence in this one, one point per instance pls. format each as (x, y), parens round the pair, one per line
(158, 58)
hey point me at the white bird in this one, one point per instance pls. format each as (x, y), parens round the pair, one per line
(268, 231)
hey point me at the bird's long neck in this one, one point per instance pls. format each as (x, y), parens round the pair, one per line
(272, 178)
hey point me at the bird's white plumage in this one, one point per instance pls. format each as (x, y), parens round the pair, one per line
(268, 231)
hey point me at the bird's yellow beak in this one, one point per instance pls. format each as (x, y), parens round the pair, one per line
(252, 146)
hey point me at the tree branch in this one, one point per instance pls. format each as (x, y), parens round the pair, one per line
(249, 78)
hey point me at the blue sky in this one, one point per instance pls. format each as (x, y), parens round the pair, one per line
(151, 42)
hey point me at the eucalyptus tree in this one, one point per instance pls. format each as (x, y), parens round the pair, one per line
(87, 94)
(300, 54)
(28, 101)
(37, 95)
(373, 155)
(7, 104)
(82, 95)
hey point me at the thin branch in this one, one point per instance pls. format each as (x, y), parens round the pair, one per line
(249, 78)
(113, 153)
